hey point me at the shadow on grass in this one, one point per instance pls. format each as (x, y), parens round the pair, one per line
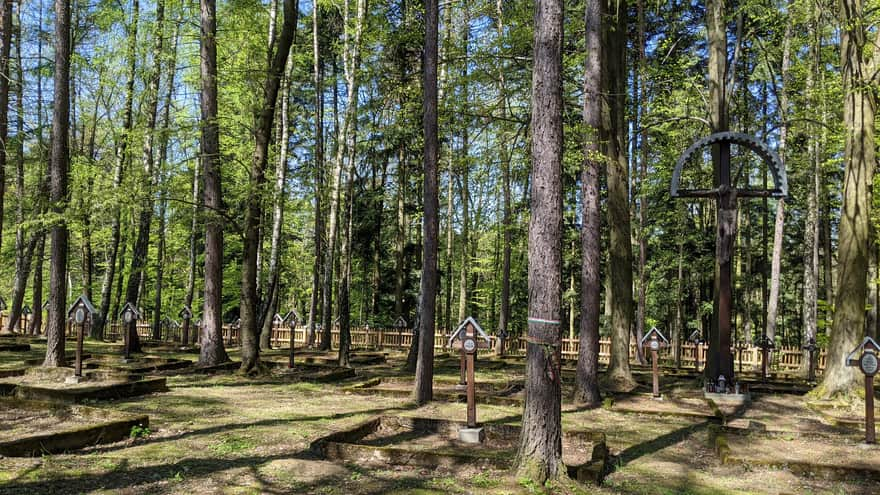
(673, 437)
(265, 422)
(195, 468)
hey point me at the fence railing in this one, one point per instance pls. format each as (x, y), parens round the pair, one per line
(782, 358)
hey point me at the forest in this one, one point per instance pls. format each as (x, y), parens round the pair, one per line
(365, 163)
(344, 152)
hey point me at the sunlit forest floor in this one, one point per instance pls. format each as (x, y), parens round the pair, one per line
(228, 434)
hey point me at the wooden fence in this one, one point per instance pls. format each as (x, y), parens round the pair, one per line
(782, 359)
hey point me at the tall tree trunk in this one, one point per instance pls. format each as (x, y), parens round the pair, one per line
(318, 76)
(121, 159)
(859, 161)
(212, 351)
(277, 216)
(401, 234)
(811, 222)
(378, 188)
(193, 242)
(620, 252)
(344, 356)
(136, 274)
(352, 65)
(250, 322)
(5, 78)
(643, 188)
(506, 221)
(423, 391)
(59, 169)
(171, 65)
(539, 456)
(24, 250)
(775, 268)
(779, 224)
(678, 334)
(586, 389)
(464, 188)
(37, 294)
(42, 197)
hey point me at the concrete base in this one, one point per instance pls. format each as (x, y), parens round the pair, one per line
(74, 379)
(728, 399)
(461, 386)
(657, 398)
(471, 435)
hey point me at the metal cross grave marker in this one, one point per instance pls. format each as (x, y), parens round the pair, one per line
(654, 340)
(865, 357)
(80, 312)
(130, 316)
(466, 336)
(811, 348)
(725, 192)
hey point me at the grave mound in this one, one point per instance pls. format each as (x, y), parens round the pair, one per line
(52, 384)
(34, 428)
(429, 442)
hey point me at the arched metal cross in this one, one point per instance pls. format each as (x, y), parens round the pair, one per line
(725, 192)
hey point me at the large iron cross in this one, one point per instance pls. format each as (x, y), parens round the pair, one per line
(720, 357)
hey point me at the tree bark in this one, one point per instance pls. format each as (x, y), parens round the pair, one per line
(539, 457)
(423, 391)
(250, 322)
(59, 170)
(277, 216)
(464, 188)
(318, 76)
(212, 351)
(859, 163)
(121, 159)
(779, 224)
(24, 250)
(136, 274)
(401, 234)
(643, 194)
(619, 375)
(37, 294)
(775, 268)
(5, 78)
(586, 390)
(163, 200)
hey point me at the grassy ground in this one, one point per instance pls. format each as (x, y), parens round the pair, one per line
(228, 434)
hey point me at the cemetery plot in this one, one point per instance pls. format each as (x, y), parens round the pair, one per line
(403, 441)
(14, 347)
(144, 364)
(497, 393)
(34, 428)
(52, 384)
(331, 358)
(670, 406)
